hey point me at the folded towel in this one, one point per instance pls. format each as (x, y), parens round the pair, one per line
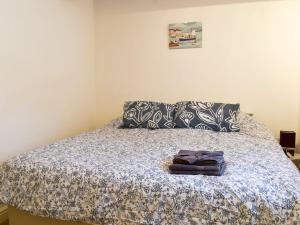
(198, 160)
(207, 173)
(199, 153)
(182, 167)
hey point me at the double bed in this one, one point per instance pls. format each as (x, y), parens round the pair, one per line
(117, 176)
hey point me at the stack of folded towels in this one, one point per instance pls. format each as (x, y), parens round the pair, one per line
(198, 162)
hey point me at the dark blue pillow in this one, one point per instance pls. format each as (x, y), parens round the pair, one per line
(207, 116)
(151, 115)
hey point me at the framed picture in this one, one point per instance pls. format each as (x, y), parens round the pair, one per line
(185, 35)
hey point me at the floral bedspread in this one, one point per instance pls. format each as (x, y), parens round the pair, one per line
(115, 176)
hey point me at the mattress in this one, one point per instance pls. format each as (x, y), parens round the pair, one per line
(115, 176)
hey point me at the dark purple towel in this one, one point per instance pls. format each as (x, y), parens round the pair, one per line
(207, 173)
(182, 167)
(198, 159)
(199, 153)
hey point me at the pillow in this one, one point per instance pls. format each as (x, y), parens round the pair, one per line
(249, 126)
(152, 115)
(207, 116)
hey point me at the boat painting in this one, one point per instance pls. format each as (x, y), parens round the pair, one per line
(185, 35)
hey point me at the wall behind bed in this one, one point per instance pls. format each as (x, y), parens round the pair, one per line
(46, 72)
(250, 55)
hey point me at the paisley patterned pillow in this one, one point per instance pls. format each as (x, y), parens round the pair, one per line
(207, 116)
(152, 115)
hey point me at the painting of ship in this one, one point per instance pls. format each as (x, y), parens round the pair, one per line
(188, 39)
(185, 35)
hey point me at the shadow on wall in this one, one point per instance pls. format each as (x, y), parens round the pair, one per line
(151, 5)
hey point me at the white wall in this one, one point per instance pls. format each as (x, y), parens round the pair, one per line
(250, 55)
(47, 87)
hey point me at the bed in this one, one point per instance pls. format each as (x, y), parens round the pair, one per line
(114, 176)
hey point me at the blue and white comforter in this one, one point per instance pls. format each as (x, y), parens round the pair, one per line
(119, 177)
